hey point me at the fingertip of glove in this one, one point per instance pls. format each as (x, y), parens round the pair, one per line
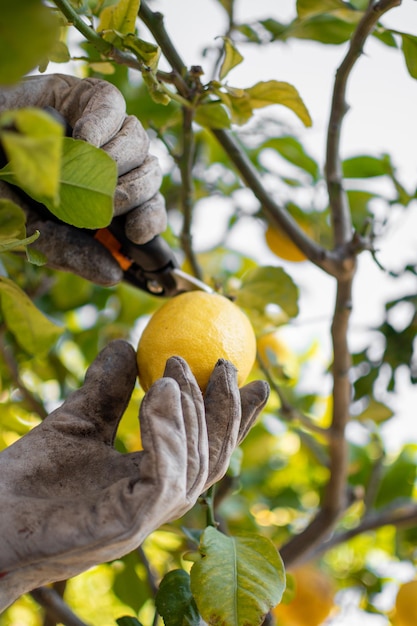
(255, 394)
(118, 355)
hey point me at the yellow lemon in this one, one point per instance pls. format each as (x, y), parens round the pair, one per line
(201, 328)
(276, 356)
(312, 602)
(406, 605)
(282, 246)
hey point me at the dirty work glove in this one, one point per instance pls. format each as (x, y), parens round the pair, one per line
(96, 111)
(69, 500)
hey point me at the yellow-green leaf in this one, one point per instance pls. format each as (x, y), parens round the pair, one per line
(120, 17)
(238, 579)
(232, 57)
(147, 52)
(270, 92)
(308, 8)
(34, 332)
(32, 141)
(212, 115)
(29, 30)
(376, 412)
(12, 221)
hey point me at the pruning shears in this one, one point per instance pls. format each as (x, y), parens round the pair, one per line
(152, 267)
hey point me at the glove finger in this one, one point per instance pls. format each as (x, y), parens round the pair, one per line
(72, 250)
(96, 409)
(253, 398)
(129, 147)
(137, 186)
(223, 415)
(94, 108)
(194, 420)
(99, 110)
(163, 434)
(147, 220)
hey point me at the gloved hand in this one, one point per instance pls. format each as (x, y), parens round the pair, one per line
(69, 500)
(96, 111)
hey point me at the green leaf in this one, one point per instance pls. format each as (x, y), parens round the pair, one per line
(12, 221)
(119, 17)
(87, 182)
(32, 141)
(35, 256)
(155, 89)
(132, 589)
(293, 151)
(326, 29)
(376, 412)
(409, 47)
(12, 227)
(212, 115)
(268, 285)
(399, 477)
(238, 103)
(270, 92)
(174, 600)
(238, 579)
(232, 58)
(359, 206)
(34, 332)
(59, 53)
(366, 166)
(28, 32)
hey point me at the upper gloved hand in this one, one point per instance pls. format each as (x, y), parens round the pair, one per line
(96, 111)
(69, 500)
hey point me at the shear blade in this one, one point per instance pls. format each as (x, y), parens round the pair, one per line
(186, 282)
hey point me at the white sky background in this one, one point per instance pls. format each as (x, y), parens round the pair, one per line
(382, 118)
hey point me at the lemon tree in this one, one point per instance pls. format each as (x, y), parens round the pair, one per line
(319, 474)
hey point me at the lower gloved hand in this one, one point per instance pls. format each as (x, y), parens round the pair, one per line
(69, 500)
(96, 111)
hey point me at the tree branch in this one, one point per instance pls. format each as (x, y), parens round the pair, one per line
(335, 498)
(403, 517)
(56, 607)
(339, 206)
(104, 47)
(328, 261)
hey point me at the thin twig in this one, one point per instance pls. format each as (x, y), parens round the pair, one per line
(339, 205)
(150, 574)
(403, 517)
(50, 600)
(34, 404)
(59, 587)
(186, 162)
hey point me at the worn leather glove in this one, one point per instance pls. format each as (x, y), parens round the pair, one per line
(69, 500)
(96, 111)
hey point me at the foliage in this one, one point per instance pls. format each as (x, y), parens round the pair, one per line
(315, 478)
